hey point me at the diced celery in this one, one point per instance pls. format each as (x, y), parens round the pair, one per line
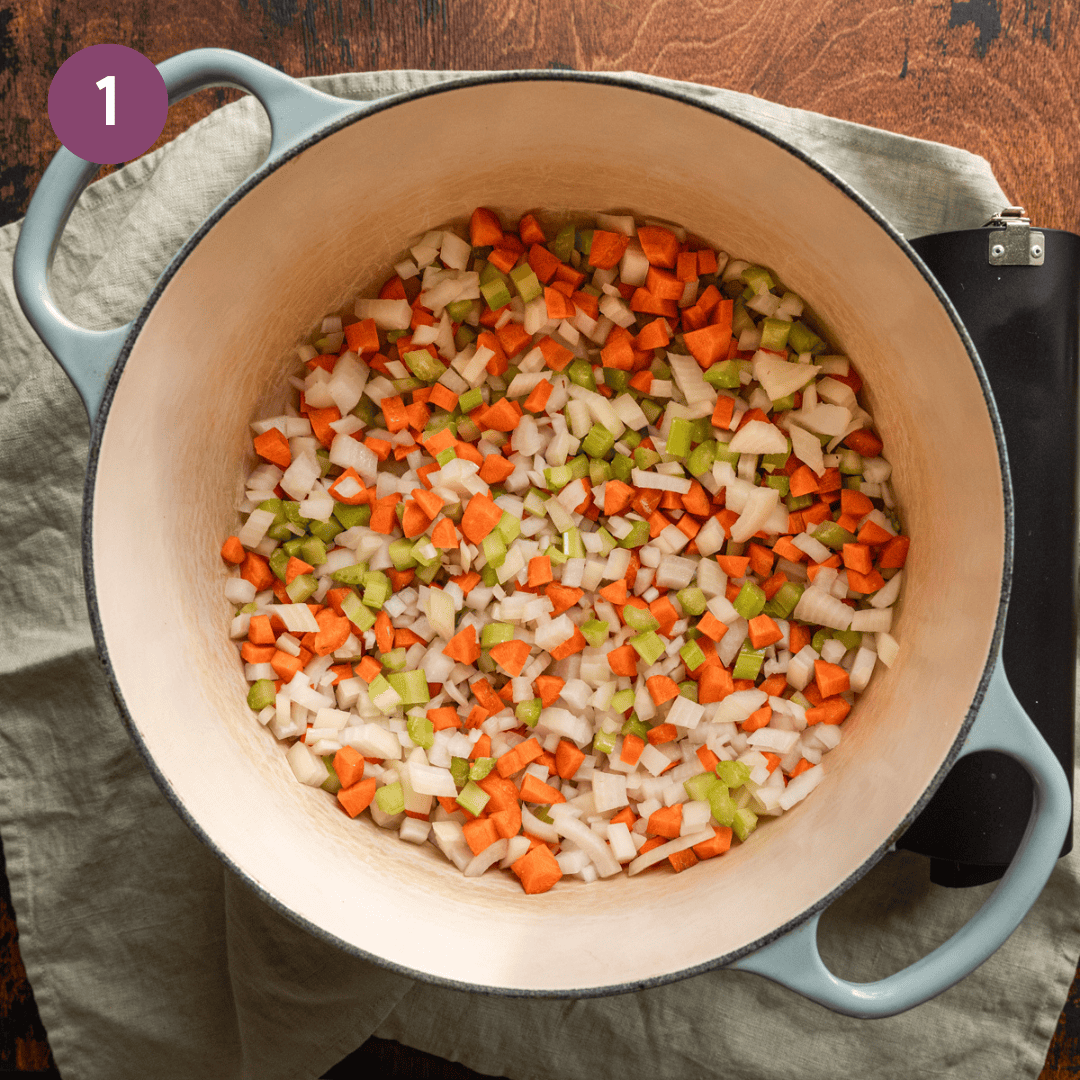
(473, 798)
(351, 575)
(722, 453)
(691, 600)
(784, 403)
(851, 639)
(769, 462)
(640, 619)
(648, 646)
(421, 731)
(394, 660)
(401, 553)
(573, 546)
(604, 742)
(851, 462)
(557, 477)
(774, 334)
(678, 441)
(279, 559)
(376, 589)
(471, 399)
(494, 633)
(595, 632)
(391, 798)
(692, 656)
(465, 336)
(563, 243)
(819, 639)
(509, 528)
(457, 310)
(622, 700)
(261, 694)
(301, 587)
(744, 822)
(634, 726)
(638, 535)
(724, 375)
(420, 546)
(750, 600)
(528, 712)
(722, 804)
(459, 770)
(496, 294)
(490, 272)
(292, 513)
(651, 409)
(481, 768)
(832, 535)
(784, 600)
(362, 617)
(688, 689)
(599, 471)
(748, 663)
(622, 468)
(802, 339)
(324, 531)
(534, 503)
(798, 502)
(332, 783)
(701, 458)
(581, 374)
(617, 379)
(630, 438)
(444, 457)
(352, 515)
(494, 549)
(598, 442)
(526, 282)
(733, 774)
(393, 335)
(313, 551)
(583, 241)
(700, 429)
(555, 555)
(758, 278)
(701, 786)
(411, 687)
(579, 467)
(423, 365)
(781, 483)
(489, 576)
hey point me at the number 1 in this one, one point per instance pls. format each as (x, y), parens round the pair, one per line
(108, 84)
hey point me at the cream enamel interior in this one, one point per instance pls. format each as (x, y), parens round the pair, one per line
(211, 357)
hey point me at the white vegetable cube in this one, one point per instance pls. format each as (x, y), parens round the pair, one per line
(609, 791)
(306, 767)
(622, 844)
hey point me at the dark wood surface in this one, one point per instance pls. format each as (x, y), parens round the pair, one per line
(1000, 78)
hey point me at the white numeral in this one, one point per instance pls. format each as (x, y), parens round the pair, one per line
(108, 84)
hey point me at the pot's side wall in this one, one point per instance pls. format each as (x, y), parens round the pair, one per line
(210, 359)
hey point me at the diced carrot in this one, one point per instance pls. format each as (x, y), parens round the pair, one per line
(548, 688)
(256, 569)
(538, 398)
(495, 469)
(414, 521)
(711, 626)
(556, 356)
(321, 419)
(540, 571)
(715, 684)
(362, 337)
(516, 758)
(530, 230)
(504, 415)
(399, 579)
(480, 517)
(295, 567)
(334, 631)
(285, 665)
(865, 583)
(484, 228)
(734, 565)
(682, 860)
(662, 688)
(568, 759)
(632, 747)
(872, 533)
(272, 446)
(724, 412)
(864, 442)
(537, 870)
(831, 679)
(764, 631)
(661, 246)
(510, 656)
(663, 733)
(800, 767)
(607, 248)
(463, 646)
(503, 258)
(858, 557)
(481, 748)
(507, 822)
(384, 632)
(232, 551)
(616, 593)
(445, 717)
(757, 719)
(444, 535)
(708, 345)
(894, 554)
(832, 710)
(349, 766)
(368, 668)
(559, 306)
(260, 631)
(251, 653)
(573, 644)
(666, 822)
(479, 834)
(720, 842)
(774, 685)
(357, 798)
(707, 758)
(543, 263)
(799, 636)
(654, 335)
(623, 660)
(534, 790)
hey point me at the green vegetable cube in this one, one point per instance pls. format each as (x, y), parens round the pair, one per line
(261, 694)
(528, 712)
(391, 798)
(301, 587)
(733, 774)
(748, 663)
(410, 686)
(744, 822)
(473, 798)
(750, 601)
(678, 441)
(648, 646)
(421, 730)
(599, 441)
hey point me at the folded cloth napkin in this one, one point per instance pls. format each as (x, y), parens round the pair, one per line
(148, 958)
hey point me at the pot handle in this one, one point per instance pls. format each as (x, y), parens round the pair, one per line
(794, 961)
(296, 113)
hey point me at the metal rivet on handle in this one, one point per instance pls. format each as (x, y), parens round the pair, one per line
(997, 251)
(1036, 250)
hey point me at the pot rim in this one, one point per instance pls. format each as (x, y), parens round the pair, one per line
(466, 81)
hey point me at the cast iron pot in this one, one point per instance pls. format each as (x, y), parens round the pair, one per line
(345, 188)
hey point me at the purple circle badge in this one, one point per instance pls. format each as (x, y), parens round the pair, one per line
(108, 104)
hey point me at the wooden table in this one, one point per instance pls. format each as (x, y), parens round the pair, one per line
(996, 77)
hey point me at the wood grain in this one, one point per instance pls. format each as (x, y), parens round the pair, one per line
(996, 77)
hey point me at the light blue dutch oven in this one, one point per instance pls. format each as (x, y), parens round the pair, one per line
(344, 189)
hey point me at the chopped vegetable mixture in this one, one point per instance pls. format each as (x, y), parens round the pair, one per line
(572, 555)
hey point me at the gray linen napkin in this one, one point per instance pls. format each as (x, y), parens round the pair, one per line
(148, 958)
